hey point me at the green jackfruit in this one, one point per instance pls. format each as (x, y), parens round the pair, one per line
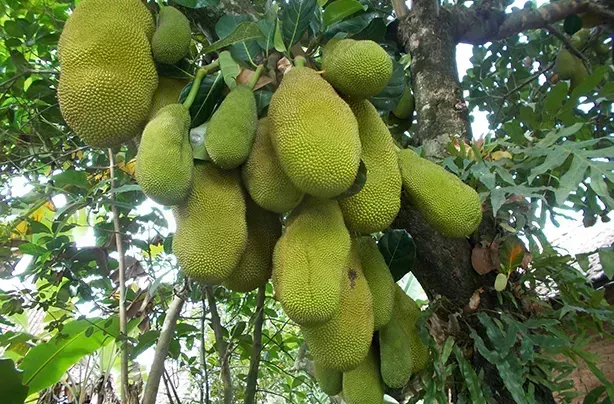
(565, 65)
(579, 39)
(330, 381)
(309, 261)
(376, 205)
(231, 131)
(315, 134)
(407, 312)
(405, 108)
(171, 41)
(264, 178)
(450, 206)
(211, 228)
(396, 363)
(379, 278)
(168, 92)
(580, 74)
(364, 384)
(343, 342)
(164, 162)
(358, 69)
(108, 74)
(254, 269)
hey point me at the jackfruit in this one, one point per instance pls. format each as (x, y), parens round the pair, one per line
(108, 74)
(168, 92)
(330, 381)
(343, 342)
(171, 41)
(263, 177)
(309, 261)
(376, 205)
(364, 384)
(449, 206)
(396, 363)
(164, 162)
(231, 131)
(379, 278)
(254, 269)
(565, 64)
(579, 39)
(211, 228)
(314, 134)
(357, 69)
(405, 108)
(407, 312)
(579, 75)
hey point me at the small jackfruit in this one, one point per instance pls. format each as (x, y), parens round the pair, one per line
(309, 261)
(379, 278)
(314, 133)
(254, 269)
(343, 342)
(264, 178)
(168, 92)
(171, 40)
(357, 69)
(364, 384)
(449, 206)
(407, 312)
(108, 74)
(164, 162)
(405, 108)
(330, 381)
(231, 131)
(396, 363)
(211, 228)
(579, 75)
(565, 64)
(376, 205)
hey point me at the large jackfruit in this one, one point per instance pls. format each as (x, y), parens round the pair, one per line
(314, 133)
(357, 69)
(330, 381)
(449, 206)
(264, 178)
(379, 278)
(407, 312)
(108, 74)
(254, 269)
(168, 92)
(171, 41)
(364, 384)
(164, 162)
(231, 131)
(309, 261)
(396, 362)
(376, 205)
(211, 227)
(343, 342)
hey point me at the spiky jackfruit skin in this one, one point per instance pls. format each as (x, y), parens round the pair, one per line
(565, 64)
(168, 92)
(343, 342)
(407, 312)
(231, 131)
(330, 381)
(396, 363)
(254, 269)
(108, 74)
(211, 227)
(449, 206)
(314, 133)
(379, 278)
(357, 69)
(164, 164)
(264, 178)
(405, 108)
(376, 205)
(364, 384)
(171, 40)
(309, 261)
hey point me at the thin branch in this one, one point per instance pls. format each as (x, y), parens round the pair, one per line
(570, 46)
(204, 386)
(164, 341)
(254, 363)
(168, 390)
(220, 345)
(170, 382)
(122, 285)
(400, 8)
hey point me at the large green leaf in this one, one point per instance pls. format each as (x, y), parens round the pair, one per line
(210, 93)
(45, 364)
(297, 15)
(12, 389)
(340, 9)
(239, 34)
(390, 96)
(197, 3)
(399, 250)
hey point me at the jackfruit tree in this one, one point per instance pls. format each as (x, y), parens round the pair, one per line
(301, 199)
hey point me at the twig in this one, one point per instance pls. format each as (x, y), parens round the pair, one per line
(168, 390)
(570, 46)
(122, 285)
(254, 363)
(203, 359)
(220, 345)
(168, 377)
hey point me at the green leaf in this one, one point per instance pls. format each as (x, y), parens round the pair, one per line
(555, 157)
(263, 97)
(606, 258)
(32, 249)
(145, 341)
(598, 185)
(399, 250)
(554, 99)
(589, 83)
(390, 96)
(594, 395)
(209, 95)
(570, 180)
(268, 29)
(229, 68)
(375, 31)
(340, 9)
(511, 254)
(46, 363)
(12, 389)
(278, 41)
(71, 177)
(351, 26)
(197, 3)
(472, 381)
(233, 30)
(296, 16)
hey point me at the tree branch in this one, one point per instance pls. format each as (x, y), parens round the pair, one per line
(400, 8)
(220, 345)
(254, 363)
(164, 341)
(203, 359)
(569, 46)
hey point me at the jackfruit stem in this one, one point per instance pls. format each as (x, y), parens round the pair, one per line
(200, 75)
(256, 76)
(300, 61)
